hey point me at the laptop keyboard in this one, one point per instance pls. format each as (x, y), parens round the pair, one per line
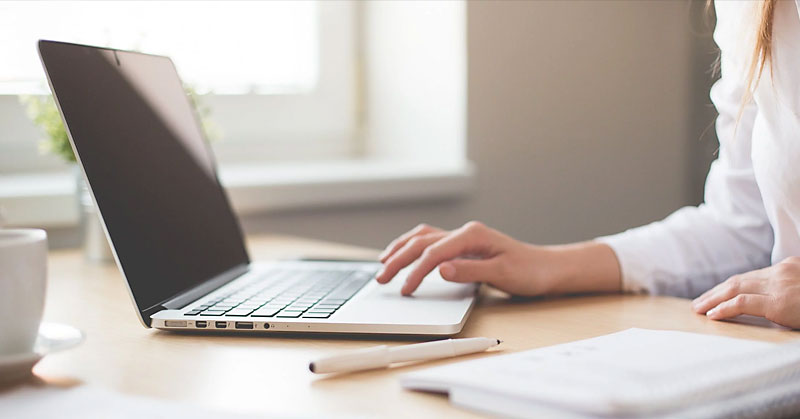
(286, 293)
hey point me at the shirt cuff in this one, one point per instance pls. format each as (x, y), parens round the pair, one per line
(634, 271)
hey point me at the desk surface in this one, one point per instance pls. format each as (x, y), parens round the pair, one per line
(269, 374)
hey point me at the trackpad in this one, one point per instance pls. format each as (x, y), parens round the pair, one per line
(435, 302)
(432, 288)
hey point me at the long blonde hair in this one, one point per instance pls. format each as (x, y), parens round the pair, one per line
(762, 48)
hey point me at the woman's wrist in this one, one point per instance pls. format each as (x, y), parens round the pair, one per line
(582, 267)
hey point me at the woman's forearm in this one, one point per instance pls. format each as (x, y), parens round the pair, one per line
(584, 267)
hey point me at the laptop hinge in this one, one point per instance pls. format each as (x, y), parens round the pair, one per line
(149, 312)
(186, 297)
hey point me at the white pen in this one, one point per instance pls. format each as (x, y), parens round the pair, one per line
(383, 356)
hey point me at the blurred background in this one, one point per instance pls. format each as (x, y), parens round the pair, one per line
(553, 121)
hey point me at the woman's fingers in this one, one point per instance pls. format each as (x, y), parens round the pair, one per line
(752, 304)
(401, 241)
(753, 282)
(408, 253)
(464, 241)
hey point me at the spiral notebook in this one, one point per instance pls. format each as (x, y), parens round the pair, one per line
(633, 373)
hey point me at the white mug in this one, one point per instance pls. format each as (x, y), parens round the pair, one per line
(23, 274)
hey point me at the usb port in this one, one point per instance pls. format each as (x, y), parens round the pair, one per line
(220, 325)
(244, 325)
(200, 324)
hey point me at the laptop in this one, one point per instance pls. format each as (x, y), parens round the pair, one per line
(172, 230)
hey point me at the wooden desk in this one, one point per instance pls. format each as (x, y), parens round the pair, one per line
(269, 374)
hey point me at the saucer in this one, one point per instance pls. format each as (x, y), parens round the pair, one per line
(53, 337)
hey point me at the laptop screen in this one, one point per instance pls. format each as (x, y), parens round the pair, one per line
(149, 167)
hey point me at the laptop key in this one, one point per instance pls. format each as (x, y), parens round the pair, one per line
(293, 310)
(256, 301)
(282, 300)
(289, 314)
(287, 309)
(333, 306)
(265, 312)
(239, 312)
(333, 301)
(316, 315)
(319, 308)
(212, 313)
(307, 300)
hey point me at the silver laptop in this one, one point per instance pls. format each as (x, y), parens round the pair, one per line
(174, 235)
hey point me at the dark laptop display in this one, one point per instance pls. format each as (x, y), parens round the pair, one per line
(149, 168)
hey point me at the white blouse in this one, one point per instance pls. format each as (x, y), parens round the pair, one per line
(751, 215)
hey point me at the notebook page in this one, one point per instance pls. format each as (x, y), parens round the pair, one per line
(779, 401)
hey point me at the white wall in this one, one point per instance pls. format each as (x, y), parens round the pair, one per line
(581, 122)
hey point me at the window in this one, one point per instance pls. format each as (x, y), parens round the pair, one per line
(276, 42)
(367, 100)
(281, 74)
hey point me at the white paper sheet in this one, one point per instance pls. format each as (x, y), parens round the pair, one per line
(88, 402)
(602, 375)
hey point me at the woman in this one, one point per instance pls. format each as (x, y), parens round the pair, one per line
(721, 250)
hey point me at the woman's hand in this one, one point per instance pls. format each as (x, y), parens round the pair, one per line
(476, 253)
(772, 292)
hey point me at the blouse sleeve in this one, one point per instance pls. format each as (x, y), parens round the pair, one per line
(697, 247)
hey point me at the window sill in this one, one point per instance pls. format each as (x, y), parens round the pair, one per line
(48, 200)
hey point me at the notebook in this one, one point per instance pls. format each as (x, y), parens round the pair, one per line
(632, 373)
